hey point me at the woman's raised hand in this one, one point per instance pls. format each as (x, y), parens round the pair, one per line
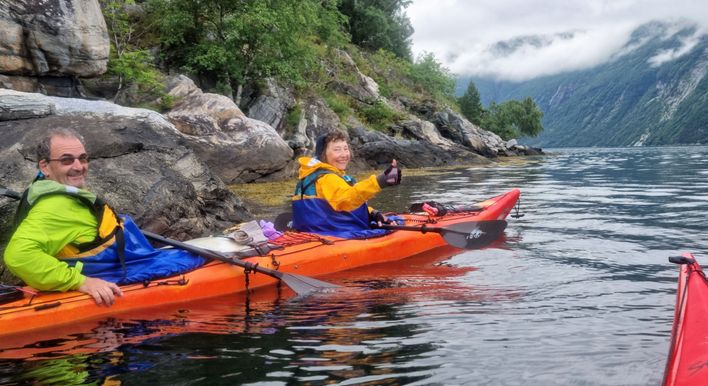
(391, 176)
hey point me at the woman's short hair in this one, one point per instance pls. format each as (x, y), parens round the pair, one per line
(327, 138)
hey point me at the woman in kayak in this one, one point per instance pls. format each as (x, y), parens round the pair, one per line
(329, 202)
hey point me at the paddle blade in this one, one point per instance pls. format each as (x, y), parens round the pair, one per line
(303, 285)
(474, 234)
(9, 193)
(300, 284)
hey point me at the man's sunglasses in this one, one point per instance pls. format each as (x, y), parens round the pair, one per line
(69, 159)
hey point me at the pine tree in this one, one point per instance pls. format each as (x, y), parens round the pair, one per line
(471, 105)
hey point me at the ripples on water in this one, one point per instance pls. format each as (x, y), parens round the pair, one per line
(579, 293)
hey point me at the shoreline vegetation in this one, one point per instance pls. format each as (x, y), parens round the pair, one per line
(356, 56)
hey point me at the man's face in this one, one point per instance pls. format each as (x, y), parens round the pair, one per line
(64, 164)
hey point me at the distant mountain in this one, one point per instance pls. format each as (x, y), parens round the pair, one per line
(654, 93)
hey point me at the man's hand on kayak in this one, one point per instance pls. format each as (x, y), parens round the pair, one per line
(103, 292)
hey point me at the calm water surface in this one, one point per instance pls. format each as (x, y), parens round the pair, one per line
(580, 293)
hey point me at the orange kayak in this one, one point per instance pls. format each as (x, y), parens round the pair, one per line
(302, 254)
(687, 363)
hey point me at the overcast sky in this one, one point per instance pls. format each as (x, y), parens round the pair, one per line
(460, 33)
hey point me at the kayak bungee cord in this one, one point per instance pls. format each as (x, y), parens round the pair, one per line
(302, 285)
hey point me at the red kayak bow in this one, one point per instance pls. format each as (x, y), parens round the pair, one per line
(688, 355)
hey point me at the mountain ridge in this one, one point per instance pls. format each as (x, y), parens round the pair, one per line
(653, 92)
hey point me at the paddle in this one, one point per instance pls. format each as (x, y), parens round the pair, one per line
(464, 235)
(681, 260)
(302, 285)
(9, 193)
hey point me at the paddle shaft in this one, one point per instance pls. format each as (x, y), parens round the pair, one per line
(465, 235)
(212, 254)
(422, 229)
(301, 285)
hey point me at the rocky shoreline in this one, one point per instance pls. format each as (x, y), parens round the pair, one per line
(170, 171)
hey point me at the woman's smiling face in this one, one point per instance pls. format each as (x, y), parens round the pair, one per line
(337, 154)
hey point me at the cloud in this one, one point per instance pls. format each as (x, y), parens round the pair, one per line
(687, 44)
(556, 54)
(524, 39)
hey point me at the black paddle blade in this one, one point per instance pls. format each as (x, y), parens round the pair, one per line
(474, 234)
(9, 193)
(303, 285)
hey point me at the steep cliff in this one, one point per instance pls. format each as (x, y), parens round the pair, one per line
(654, 93)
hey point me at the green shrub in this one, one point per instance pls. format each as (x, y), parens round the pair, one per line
(339, 104)
(292, 119)
(433, 77)
(379, 115)
(166, 103)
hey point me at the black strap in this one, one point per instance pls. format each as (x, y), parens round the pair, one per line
(9, 294)
(318, 174)
(349, 180)
(22, 209)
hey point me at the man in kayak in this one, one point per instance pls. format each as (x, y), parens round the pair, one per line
(329, 202)
(69, 239)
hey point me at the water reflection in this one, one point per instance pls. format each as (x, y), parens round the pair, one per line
(578, 293)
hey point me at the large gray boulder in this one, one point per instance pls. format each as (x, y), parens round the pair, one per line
(375, 150)
(237, 148)
(139, 164)
(316, 119)
(418, 129)
(20, 105)
(363, 88)
(455, 127)
(272, 104)
(53, 37)
(244, 151)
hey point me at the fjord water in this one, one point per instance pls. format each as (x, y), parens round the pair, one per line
(579, 293)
